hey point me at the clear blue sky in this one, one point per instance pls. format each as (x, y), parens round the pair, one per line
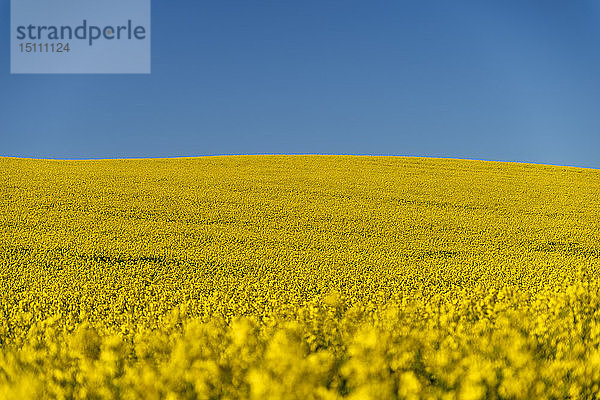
(504, 80)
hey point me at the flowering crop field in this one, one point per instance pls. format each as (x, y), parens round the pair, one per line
(298, 277)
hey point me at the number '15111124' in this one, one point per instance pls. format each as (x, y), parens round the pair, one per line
(44, 47)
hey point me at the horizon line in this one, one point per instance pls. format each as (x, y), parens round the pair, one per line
(292, 155)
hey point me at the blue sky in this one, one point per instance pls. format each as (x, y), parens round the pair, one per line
(505, 80)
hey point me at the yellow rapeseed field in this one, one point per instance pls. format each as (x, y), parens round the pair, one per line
(298, 277)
